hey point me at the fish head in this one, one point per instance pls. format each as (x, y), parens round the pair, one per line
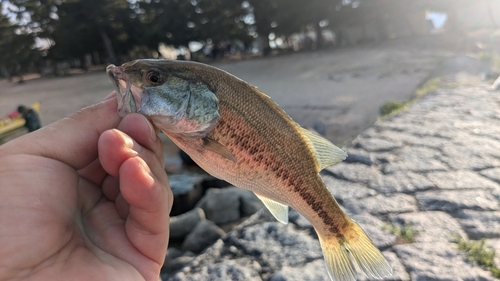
(174, 98)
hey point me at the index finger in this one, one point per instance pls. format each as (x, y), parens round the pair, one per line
(72, 140)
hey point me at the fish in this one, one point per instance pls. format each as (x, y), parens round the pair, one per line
(235, 132)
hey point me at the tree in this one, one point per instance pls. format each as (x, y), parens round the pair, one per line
(16, 48)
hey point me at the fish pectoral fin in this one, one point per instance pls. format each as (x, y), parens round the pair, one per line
(355, 244)
(326, 152)
(215, 146)
(278, 210)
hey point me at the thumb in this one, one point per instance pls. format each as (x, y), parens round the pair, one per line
(72, 140)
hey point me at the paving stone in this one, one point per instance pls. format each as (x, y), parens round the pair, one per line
(414, 140)
(374, 228)
(377, 145)
(460, 180)
(462, 158)
(342, 189)
(432, 227)
(401, 182)
(492, 174)
(438, 261)
(416, 159)
(357, 157)
(451, 201)
(382, 205)
(480, 225)
(354, 172)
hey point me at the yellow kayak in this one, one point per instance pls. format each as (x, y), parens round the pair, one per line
(10, 125)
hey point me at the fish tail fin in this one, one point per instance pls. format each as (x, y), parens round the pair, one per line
(356, 244)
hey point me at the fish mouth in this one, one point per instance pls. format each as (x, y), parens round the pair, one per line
(129, 96)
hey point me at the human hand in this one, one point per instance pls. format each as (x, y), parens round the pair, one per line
(81, 200)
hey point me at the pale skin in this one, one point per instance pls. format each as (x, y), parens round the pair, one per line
(85, 198)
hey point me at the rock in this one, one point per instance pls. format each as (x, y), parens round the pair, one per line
(382, 205)
(438, 261)
(374, 228)
(174, 265)
(432, 227)
(460, 179)
(405, 182)
(480, 225)
(250, 204)
(315, 270)
(187, 189)
(496, 85)
(181, 225)
(203, 235)
(492, 174)
(451, 201)
(173, 253)
(225, 270)
(377, 145)
(221, 205)
(355, 172)
(416, 159)
(342, 189)
(461, 157)
(358, 158)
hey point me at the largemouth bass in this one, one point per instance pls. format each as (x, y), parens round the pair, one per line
(237, 133)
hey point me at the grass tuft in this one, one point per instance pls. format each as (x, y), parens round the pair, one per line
(406, 233)
(478, 253)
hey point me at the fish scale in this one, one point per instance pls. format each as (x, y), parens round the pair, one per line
(251, 143)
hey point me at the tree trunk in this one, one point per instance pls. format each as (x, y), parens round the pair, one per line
(107, 45)
(319, 36)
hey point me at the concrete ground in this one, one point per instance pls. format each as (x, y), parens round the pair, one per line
(343, 88)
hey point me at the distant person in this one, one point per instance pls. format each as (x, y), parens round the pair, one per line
(31, 117)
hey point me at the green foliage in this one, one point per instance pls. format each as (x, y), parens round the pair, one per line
(430, 86)
(478, 253)
(405, 233)
(391, 107)
(16, 47)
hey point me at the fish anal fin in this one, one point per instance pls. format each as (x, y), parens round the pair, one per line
(356, 245)
(278, 210)
(326, 153)
(215, 146)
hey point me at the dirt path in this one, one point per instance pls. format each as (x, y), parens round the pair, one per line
(343, 88)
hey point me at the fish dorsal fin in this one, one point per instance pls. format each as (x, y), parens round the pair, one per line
(215, 146)
(278, 210)
(326, 152)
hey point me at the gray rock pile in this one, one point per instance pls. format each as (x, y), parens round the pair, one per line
(201, 227)
(434, 168)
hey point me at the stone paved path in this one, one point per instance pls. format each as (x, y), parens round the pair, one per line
(435, 167)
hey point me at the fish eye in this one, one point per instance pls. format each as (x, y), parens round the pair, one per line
(154, 77)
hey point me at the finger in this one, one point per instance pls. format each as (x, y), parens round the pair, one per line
(150, 200)
(143, 132)
(94, 172)
(71, 140)
(115, 147)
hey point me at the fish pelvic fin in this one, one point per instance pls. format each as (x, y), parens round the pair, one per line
(356, 244)
(325, 152)
(278, 210)
(215, 146)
